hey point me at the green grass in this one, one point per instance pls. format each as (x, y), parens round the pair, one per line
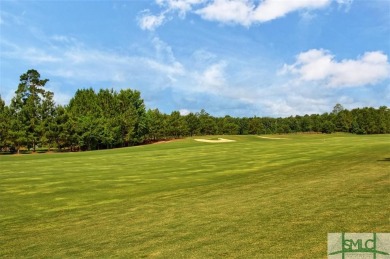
(253, 198)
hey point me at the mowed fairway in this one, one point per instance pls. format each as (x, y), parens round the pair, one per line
(252, 198)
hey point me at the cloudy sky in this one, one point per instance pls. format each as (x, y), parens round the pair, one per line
(241, 57)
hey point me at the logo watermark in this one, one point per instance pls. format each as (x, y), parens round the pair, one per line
(358, 245)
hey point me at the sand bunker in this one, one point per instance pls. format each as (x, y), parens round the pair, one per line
(271, 138)
(219, 140)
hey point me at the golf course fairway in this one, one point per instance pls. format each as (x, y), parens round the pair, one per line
(254, 197)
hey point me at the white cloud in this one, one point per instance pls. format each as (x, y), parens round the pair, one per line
(213, 79)
(271, 9)
(7, 18)
(184, 112)
(181, 6)
(346, 4)
(202, 56)
(243, 12)
(150, 22)
(30, 54)
(227, 11)
(89, 65)
(75, 61)
(39, 56)
(64, 40)
(164, 52)
(169, 70)
(320, 65)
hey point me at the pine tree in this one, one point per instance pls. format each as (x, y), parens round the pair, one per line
(26, 110)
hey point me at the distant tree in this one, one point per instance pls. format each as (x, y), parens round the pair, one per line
(306, 123)
(17, 130)
(207, 124)
(110, 119)
(355, 128)
(328, 127)
(343, 121)
(229, 126)
(294, 123)
(48, 123)
(156, 125)
(193, 123)
(316, 122)
(5, 119)
(337, 108)
(270, 125)
(60, 132)
(141, 120)
(109, 135)
(384, 120)
(177, 126)
(84, 111)
(255, 126)
(283, 126)
(132, 117)
(243, 125)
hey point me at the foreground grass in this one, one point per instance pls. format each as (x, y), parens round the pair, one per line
(253, 198)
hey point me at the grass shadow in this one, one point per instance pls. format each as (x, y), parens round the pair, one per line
(387, 159)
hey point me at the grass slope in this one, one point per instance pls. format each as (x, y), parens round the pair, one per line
(253, 198)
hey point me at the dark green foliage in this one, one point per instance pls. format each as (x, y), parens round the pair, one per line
(28, 111)
(230, 126)
(5, 118)
(207, 124)
(328, 127)
(108, 119)
(192, 121)
(337, 109)
(177, 125)
(132, 117)
(156, 125)
(48, 125)
(255, 126)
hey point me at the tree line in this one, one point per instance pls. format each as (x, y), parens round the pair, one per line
(109, 119)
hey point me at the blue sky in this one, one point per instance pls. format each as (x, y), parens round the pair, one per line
(241, 58)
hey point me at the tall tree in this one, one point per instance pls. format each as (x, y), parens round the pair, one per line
(229, 126)
(128, 117)
(4, 124)
(306, 124)
(177, 126)
(255, 126)
(110, 129)
(62, 136)
(48, 123)
(337, 108)
(384, 119)
(26, 108)
(156, 125)
(193, 123)
(208, 126)
(84, 112)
